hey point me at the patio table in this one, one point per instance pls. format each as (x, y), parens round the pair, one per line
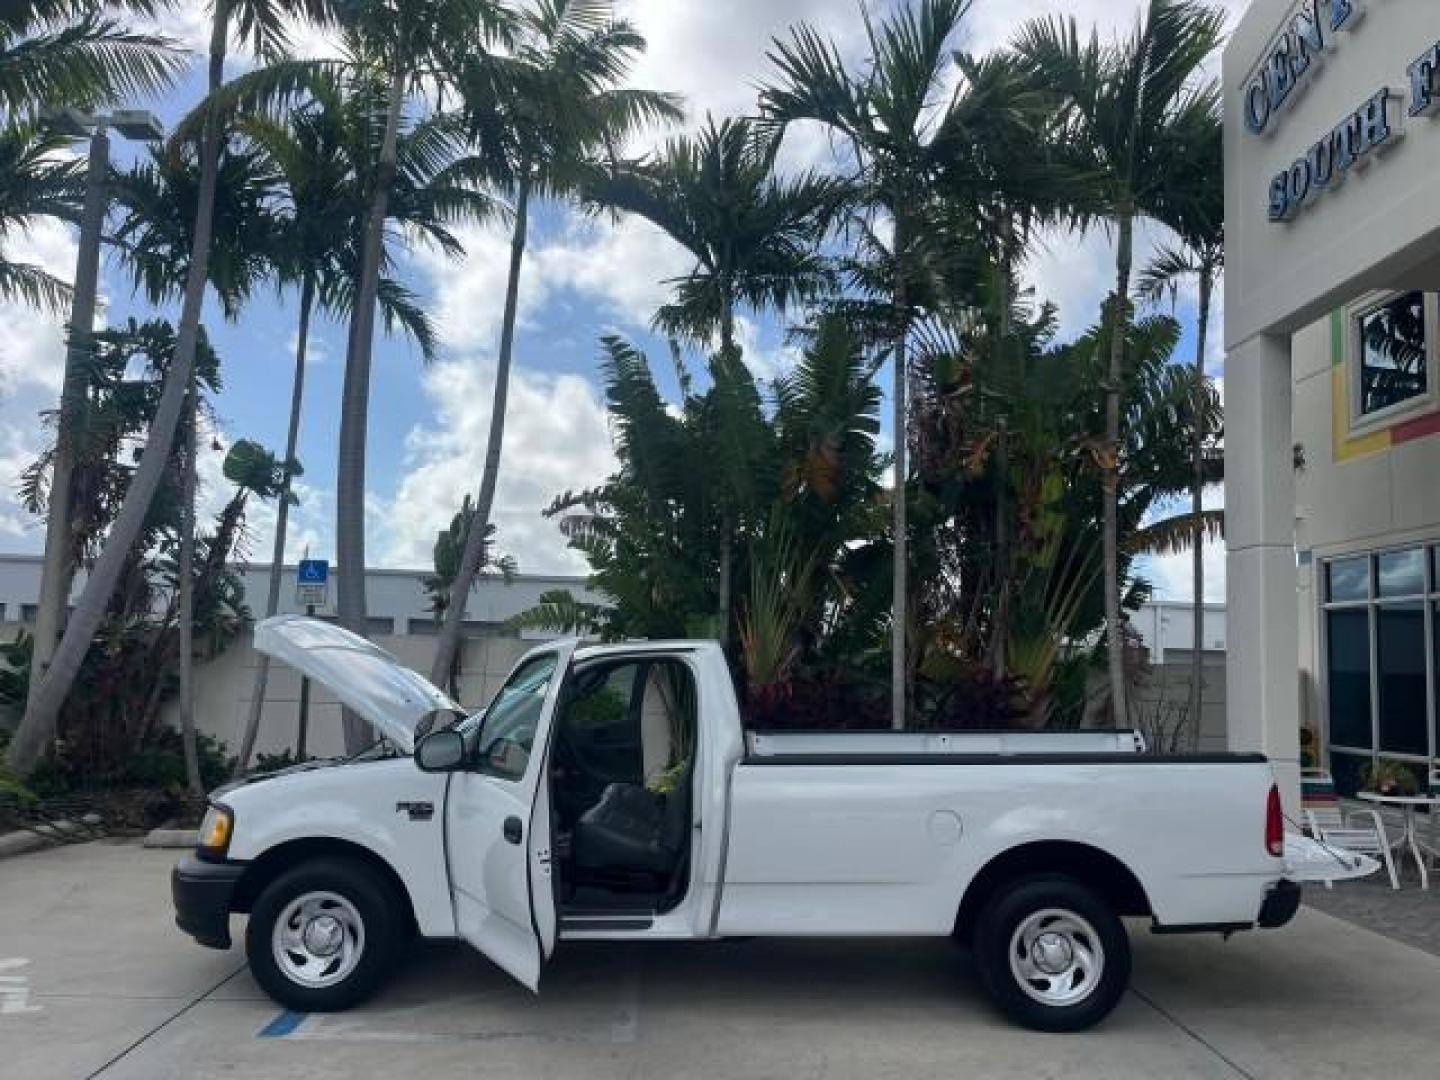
(1408, 804)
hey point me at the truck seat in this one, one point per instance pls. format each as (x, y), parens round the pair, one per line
(630, 830)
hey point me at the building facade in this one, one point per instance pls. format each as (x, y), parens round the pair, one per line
(1332, 332)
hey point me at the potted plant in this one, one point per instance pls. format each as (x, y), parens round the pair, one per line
(1308, 743)
(1391, 778)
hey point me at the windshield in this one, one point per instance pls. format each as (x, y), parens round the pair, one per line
(499, 739)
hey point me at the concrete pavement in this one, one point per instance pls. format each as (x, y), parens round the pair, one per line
(96, 982)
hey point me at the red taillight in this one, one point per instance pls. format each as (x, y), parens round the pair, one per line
(1274, 824)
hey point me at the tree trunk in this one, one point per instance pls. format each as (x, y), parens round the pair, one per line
(37, 726)
(1119, 325)
(282, 521)
(725, 586)
(899, 606)
(185, 615)
(447, 645)
(1197, 554)
(1000, 628)
(355, 404)
(57, 573)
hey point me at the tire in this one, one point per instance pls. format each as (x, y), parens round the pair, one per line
(322, 935)
(1078, 963)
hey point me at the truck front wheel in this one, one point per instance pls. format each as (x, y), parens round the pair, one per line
(1051, 953)
(321, 935)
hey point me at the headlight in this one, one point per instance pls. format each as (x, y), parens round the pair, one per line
(215, 830)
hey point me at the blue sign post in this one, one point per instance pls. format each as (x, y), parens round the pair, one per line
(312, 583)
(312, 589)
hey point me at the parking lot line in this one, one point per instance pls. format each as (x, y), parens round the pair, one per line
(1237, 1069)
(176, 1015)
(283, 1024)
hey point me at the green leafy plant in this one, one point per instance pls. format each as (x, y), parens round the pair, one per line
(160, 761)
(1390, 777)
(285, 759)
(670, 780)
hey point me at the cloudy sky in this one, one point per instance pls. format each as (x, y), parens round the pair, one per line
(582, 278)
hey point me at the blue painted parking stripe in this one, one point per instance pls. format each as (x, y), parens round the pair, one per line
(283, 1024)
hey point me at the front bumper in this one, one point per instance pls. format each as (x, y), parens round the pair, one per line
(1282, 901)
(202, 892)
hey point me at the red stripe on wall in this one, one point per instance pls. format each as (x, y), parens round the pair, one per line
(1417, 428)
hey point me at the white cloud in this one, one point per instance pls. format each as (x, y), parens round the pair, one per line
(556, 439)
(714, 53)
(32, 344)
(623, 266)
(764, 361)
(470, 292)
(189, 23)
(317, 349)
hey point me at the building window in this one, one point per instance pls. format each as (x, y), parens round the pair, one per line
(1393, 342)
(1379, 619)
(1348, 579)
(1349, 676)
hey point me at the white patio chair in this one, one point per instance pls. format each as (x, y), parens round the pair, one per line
(1356, 829)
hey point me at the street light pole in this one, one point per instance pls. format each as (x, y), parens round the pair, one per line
(58, 569)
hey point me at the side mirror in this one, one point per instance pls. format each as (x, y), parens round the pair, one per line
(440, 751)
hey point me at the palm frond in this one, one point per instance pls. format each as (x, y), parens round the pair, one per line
(1176, 534)
(35, 286)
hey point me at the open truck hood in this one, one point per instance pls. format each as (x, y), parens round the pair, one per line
(392, 697)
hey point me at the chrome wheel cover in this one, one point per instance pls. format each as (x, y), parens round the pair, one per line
(1056, 957)
(318, 939)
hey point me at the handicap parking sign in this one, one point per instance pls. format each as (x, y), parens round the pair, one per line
(312, 580)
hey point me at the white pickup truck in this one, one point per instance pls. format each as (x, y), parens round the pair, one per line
(610, 793)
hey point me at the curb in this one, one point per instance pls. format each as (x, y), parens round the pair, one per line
(25, 840)
(22, 842)
(171, 838)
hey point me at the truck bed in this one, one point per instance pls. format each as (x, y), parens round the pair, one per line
(760, 745)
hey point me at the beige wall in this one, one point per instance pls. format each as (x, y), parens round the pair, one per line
(223, 688)
(1163, 694)
(1349, 499)
(1353, 495)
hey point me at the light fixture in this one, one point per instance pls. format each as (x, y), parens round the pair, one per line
(139, 125)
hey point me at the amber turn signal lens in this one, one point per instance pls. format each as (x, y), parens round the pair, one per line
(215, 829)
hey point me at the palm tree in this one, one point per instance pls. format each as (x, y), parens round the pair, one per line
(646, 531)
(161, 198)
(407, 48)
(895, 122)
(77, 52)
(57, 53)
(321, 156)
(1004, 176)
(1198, 219)
(559, 109)
(260, 22)
(440, 584)
(755, 239)
(754, 236)
(1131, 109)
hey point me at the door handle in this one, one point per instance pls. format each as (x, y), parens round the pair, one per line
(512, 829)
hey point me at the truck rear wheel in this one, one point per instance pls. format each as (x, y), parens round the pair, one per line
(322, 934)
(1051, 953)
